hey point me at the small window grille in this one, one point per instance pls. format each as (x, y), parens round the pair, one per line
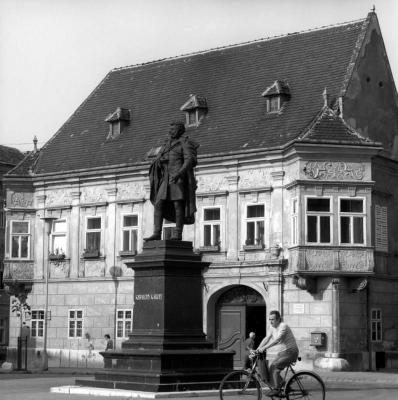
(124, 323)
(75, 323)
(376, 327)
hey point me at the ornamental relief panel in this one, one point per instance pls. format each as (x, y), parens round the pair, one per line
(93, 195)
(334, 170)
(61, 197)
(213, 183)
(94, 268)
(130, 190)
(21, 199)
(254, 178)
(18, 271)
(354, 260)
(319, 260)
(59, 269)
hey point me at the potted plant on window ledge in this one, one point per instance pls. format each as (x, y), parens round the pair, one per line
(257, 245)
(57, 255)
(215, 247)
(91, 253)
(127, 253)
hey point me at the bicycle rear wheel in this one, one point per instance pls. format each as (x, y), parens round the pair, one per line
(305, 385)
(239, 384)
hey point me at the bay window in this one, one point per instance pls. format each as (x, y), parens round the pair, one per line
(352, 221)
(318, 217)
(20, 239)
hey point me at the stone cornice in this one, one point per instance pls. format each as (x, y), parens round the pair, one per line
(305, 182)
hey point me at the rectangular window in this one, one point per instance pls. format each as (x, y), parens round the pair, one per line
(352, 221)
(20, 239)
(192, 118)
(130, 233)
(2, 331)
(295, 222)
(255, 225)
(58, 237)
(124, 323)
(75, 323)
(318, 220)
(273, 104)
(211, 227)
(376, 327)
(37, 323)
(93, 234)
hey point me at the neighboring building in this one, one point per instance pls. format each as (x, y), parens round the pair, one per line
(297, 198)
(9, 158)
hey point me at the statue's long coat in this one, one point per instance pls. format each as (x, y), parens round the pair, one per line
(179, 157)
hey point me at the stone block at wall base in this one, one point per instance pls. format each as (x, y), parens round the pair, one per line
(65, 358)
(332, 363)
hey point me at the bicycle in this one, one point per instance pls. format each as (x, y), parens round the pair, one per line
(298, 385)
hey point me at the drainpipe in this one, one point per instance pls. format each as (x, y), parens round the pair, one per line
(368, 330)
(47, 230)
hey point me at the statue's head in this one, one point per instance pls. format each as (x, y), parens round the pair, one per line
(177, 128)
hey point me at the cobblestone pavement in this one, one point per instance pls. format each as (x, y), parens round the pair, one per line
(340, 385)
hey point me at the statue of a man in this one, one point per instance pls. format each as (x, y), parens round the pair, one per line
(173, 184)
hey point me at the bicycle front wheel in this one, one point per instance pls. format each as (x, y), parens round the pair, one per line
(305, 385)
(239, 384)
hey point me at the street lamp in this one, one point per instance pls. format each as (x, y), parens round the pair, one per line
(115, 272)
(48, 221)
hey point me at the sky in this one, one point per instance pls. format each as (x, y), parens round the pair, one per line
(53, 53)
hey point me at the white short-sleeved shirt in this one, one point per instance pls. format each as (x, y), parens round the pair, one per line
(284, 335)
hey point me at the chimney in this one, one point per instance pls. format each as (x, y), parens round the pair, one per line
(325, 98)
(35, 144)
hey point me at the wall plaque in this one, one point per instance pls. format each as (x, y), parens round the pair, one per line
(298, 308)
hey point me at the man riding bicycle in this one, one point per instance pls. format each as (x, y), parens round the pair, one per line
(281, 335)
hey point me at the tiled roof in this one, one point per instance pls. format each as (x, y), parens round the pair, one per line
(27, 165)
(10, 155)
(329, 127)
(232, 80)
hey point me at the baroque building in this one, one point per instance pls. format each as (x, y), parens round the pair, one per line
(297, 198)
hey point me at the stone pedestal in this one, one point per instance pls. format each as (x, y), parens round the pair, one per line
(167, 349)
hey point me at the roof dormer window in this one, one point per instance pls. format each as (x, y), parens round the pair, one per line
(195, 109)
(118, 121)
(276, 95)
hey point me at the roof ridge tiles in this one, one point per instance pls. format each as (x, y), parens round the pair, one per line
(230, 46)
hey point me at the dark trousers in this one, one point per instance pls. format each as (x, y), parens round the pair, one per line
(281, 361)
(158, 215)
(248, 362)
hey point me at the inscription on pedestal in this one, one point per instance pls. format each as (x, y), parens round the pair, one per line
(148, 296)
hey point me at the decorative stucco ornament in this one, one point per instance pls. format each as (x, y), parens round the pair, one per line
(334, 170)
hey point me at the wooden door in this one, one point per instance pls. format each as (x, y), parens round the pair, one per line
(232, 330)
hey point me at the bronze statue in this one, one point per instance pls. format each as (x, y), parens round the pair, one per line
(173, 184)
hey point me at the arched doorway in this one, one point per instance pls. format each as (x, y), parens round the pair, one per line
(239, 311)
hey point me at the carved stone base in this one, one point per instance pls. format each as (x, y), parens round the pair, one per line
(167, 349)
(332, 363)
